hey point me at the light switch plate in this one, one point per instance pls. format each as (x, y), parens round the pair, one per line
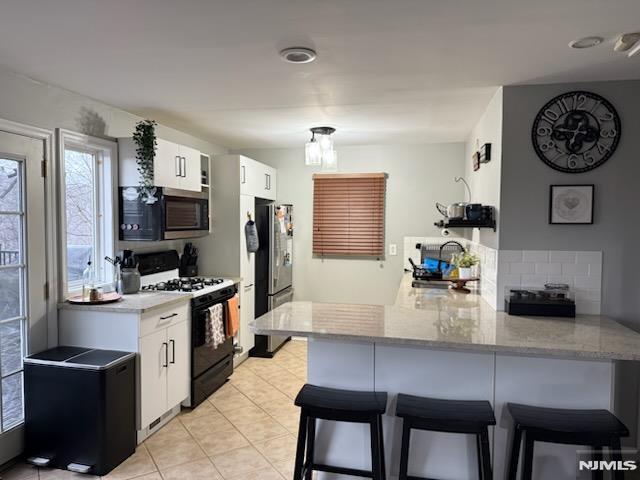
(393, 249)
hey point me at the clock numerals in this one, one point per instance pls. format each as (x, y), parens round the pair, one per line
(606, 117)
(611, 133)
(545, 147)
(588, 157)
(572, 161)
(551, 116)
(602, 148)
(544, 131)
(595, 106)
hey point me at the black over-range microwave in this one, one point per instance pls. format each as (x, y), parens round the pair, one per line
(166, 214)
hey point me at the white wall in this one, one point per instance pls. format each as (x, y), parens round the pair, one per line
(33, 103)
(485, 183)
(418, 176)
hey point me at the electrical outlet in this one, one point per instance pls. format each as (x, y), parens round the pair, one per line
(393, 249)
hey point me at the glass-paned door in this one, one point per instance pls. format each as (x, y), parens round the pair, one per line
(22, 276)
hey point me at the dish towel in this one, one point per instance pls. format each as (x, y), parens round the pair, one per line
(251, 234)
(233, 319)
(214, 328)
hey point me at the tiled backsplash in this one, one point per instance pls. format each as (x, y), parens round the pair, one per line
(500, 269)
(582, 271)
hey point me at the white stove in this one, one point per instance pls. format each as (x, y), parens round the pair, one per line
(170, 281)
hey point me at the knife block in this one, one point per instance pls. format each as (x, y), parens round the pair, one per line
(188, 271)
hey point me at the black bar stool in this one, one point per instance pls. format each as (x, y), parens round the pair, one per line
(340, 406)
(451, 416)
(593, 428)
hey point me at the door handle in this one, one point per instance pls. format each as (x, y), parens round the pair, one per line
(173, 351)
(248, 287)
(178, 166)
(166, 354)
(244, 174)
(266, 181)
(183, 167)
(169, 316)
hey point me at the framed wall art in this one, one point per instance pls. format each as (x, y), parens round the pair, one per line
(571, 204)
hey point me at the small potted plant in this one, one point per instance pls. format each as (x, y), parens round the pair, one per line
(465, 261)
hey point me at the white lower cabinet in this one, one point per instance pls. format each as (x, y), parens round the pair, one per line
(164, 371)
(153, 377)
(162, 338)
(178, 371)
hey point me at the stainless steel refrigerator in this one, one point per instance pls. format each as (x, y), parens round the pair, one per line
(274, 265)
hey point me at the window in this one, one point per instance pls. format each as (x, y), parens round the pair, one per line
(348, 214)
(87, 206)
(12, 269)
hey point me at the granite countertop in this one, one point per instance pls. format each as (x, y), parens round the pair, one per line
(442, 318)
(140, 302)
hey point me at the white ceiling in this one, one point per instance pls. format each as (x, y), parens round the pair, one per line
(388, 71)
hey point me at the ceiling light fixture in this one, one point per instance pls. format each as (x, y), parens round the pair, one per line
(319, 150)
(634, 51)
(298, 55)
(626, 41)
(586, 42)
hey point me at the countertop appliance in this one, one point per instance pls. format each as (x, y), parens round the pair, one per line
(175, 214)
(552, 301)
(210, 367)
(80, 409)
(274, 266)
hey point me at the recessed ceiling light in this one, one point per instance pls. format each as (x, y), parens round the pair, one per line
(298, 55)
(586, 42)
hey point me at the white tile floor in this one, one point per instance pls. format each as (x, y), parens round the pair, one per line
(245, 431)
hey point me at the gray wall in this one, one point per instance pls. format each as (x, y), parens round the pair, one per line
(419, 175)
(485, 183)
(525, 193)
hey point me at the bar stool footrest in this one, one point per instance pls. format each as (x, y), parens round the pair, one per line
(320, 467)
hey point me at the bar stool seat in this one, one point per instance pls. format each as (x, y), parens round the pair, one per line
(594, 428)
(342, 406)
(332, 402)
(443, 415)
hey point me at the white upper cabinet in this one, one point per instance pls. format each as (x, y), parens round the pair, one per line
(257, 179)
(191, 177)
(175, 166)
(167, 166)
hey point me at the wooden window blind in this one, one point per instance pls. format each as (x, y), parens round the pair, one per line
(348, 214)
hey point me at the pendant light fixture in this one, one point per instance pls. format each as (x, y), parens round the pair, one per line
(319, 150)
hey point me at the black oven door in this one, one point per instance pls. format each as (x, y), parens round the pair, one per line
(204, 356)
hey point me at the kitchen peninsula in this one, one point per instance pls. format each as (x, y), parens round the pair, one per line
(444, 344)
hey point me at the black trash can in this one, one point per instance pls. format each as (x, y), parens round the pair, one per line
(80, 408)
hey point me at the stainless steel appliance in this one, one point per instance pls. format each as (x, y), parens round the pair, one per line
(174, 214)
(274, 265)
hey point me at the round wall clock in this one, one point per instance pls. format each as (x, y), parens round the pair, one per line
(576, 132)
